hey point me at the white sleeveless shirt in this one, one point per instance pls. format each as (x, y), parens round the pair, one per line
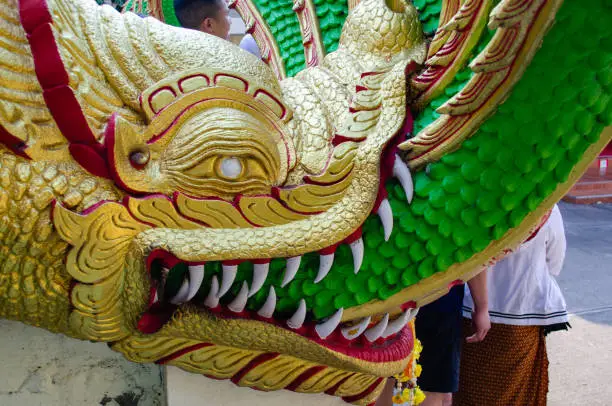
(522, 288)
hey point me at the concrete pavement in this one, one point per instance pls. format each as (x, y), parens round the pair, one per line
(581, 359)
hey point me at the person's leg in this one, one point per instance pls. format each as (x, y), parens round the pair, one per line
(386, 396)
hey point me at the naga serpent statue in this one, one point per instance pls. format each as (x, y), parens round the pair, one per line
(279, 222)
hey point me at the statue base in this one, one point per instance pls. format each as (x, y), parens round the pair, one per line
(186, 389)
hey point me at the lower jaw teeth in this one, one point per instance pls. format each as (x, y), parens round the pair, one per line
(190, 286)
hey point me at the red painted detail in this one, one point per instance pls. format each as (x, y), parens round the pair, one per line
(109, 141)
(332, 391)
(388, 158)
(168, 260)
(33, 13)
(155, 318)
(193, 76)
(152, 292)
(454, 283)
(353, 237)
(284, 113)
(126, 202)
(233, 203)
(409, 305)
(329, 250)
(360, 88)
(219, 75)
(260, 359)
(182, 352)
(309, 180)
(55, 82)
(304, 376)
(67, 113)
(48, 64)
(152, 95)
(232, 262)
(339, 139)
(354, 110)
(260, 261)
(96, 164)
(13, 143)
(366, 74)
(369, 390)
(537, 230)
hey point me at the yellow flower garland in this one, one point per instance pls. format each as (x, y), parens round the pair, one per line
(407, 390)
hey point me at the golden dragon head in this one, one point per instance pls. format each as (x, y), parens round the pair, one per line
(199, 208)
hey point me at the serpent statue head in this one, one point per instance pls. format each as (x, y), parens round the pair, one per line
(194, 206)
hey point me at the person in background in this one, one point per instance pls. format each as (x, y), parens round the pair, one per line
(438, 326)
(209, 16)
(525, 304)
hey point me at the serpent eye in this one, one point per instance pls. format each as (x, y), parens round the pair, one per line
(231, 168)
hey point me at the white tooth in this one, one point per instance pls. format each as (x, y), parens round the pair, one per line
(386, 217)
(196, 276)
(357, 250)
(181, 296)
(328, 327)
(398, 324)
(297, 320)
(325, 265)
(293, 264)
(402, 172)
(229, 275)
(375, 332)
(267, 310)
(155, 298)
(260, 273)
(239, 303)
(212, 300)
(352, 332)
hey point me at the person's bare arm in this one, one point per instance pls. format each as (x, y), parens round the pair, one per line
(480, 316)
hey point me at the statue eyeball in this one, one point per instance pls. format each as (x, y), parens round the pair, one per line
(231, 167)
(139, 158)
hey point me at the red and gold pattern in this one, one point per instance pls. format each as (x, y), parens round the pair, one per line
(520, 26)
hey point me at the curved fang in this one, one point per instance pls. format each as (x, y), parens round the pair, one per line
(328, 327)
(352, 332)
(386, 217)
(260, 273)
(357, 250)
(375, 332)
(297, 320)
(212, 300)
(196, 276)
(402, 172)
(325, 265)
(267, 310)
(181, 296)
(240, 301)
(293, 264)
(396, 325)
(229, 275)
